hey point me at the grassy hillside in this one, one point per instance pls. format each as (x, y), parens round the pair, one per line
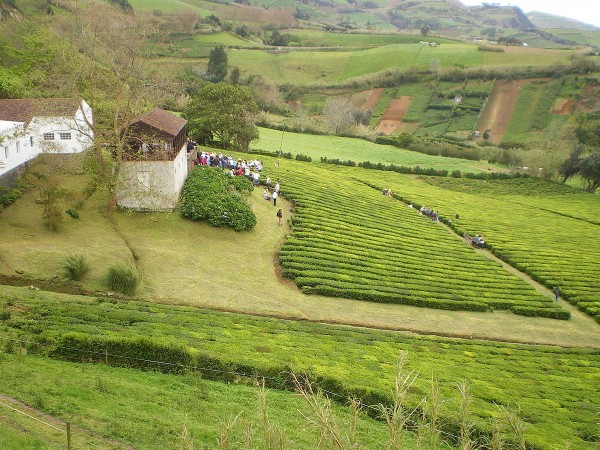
(161, 411)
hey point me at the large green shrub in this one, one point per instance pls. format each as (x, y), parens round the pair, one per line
(211, 195)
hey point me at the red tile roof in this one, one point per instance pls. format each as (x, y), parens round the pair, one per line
(24, 109)
(161, 120)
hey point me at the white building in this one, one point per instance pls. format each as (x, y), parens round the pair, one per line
(155, 165)
(29, 127)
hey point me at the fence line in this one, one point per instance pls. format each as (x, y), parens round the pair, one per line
(32, 417)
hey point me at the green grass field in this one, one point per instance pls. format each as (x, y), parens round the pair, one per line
(305, 67)
(554, 390)
(359, 150)
(152, 410)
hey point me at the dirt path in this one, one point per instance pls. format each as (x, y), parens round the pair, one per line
(500, 108)
(394, 113)
(45, 420)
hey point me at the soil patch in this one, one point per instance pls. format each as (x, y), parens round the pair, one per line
(500, 108)
(392, 118)
(589, 101)
(373, 99)
(563, 106)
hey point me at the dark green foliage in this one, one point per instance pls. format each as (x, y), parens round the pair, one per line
(241, 184)
(211, 195)
(72, 213)
(75, 267)
(551, 313)
(217, 64)
(123, 279)
(301, 157)
(4, 315)
(8, 196)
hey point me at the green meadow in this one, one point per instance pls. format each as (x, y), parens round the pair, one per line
(359, 150)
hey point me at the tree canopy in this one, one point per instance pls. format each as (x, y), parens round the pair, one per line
(222, 114)
(217, 64)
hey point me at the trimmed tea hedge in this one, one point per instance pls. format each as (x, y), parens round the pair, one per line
(351, 241)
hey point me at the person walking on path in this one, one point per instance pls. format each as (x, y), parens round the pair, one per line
(275, 195)
(556, 293)
(280, 217)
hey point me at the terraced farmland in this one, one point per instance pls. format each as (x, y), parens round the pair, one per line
(546, 230)
(350, 241)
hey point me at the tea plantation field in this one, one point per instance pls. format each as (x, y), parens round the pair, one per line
(546, 230)
(553, 390)
(349, 240)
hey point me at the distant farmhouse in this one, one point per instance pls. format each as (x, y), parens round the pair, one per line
(32, 126)
(155, 163)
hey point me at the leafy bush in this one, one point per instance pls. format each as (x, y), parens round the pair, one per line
(123, 279)
(75, 267)
(241, 184)
(73, 213)
(208, 195)
(9, 196)
(4, 315)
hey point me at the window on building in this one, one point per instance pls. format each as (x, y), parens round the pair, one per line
(143, 181)
(18, 145)
(31, 141)
(5, 152)
(65, 136)
(48, 136)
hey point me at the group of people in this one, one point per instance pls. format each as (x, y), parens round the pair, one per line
(274, 194)
(433, 215)
(239, 167)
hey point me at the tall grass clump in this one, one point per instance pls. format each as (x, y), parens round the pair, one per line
(75, 267)
(123, 279)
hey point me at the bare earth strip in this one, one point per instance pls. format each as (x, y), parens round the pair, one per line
(373, 99)
(564, 107)
(392, 118)
(500, 108)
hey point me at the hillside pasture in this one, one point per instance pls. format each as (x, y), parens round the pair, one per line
(532, 110)
(160, 410)
(359, 150)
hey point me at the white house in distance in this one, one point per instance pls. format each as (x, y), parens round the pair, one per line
(30, 126)
(155, 164)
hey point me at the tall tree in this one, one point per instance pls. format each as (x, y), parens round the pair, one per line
(217, 64)
(223, 114)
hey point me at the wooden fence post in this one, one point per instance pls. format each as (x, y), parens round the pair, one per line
(68, 435)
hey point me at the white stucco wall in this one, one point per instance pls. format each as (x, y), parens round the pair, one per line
(15, 148)
(24, 144)
(81, 136)
(152, 185)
